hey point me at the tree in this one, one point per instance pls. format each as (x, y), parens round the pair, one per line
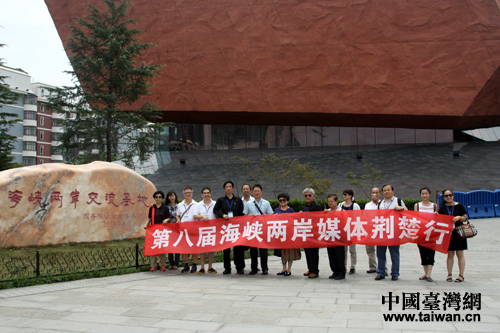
(6, 122)
(321, 185)
(365, 182)
(239, 170)
(100, 120)
(278, 174)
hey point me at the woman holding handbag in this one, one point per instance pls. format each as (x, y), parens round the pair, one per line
(426, 255)
(457, 244)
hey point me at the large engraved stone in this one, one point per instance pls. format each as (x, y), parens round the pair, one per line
(60, 203)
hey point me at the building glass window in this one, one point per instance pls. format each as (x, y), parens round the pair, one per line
(366, 136)
(30, 99)
(348, 136)
(29, 115)
(220, 137)
(42, 107)
(444, 136)
(42, 120)
(315, 136)
(56, 151)
(29, 160)
(331, 136)
(385, 136)
(56, 122)
(425, 136)
(41, 135)
(41, 150)
(29, 130)
(405, 136)
(41, 161)
(27, 145)
(56, 136)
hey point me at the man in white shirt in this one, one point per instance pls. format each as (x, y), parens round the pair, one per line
(204, 211)
(259, 206)
(390, 202)
(370, 249)
(186, 213)
(246, 191)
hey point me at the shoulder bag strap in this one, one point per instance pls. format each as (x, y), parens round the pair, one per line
(258, 207)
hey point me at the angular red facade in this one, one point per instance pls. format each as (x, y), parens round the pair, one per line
(377, 63)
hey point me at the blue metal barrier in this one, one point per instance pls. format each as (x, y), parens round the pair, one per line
(497, 202)
(480, 204)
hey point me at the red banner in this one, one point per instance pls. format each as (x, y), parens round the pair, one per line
(302, 230)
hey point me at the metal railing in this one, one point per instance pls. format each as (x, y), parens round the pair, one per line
(54, 264)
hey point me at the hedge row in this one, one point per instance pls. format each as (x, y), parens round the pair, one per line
(298, 204)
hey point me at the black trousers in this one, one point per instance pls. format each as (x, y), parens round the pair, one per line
(239, 258)
(171, 260)
(426, 255)
(312, 258)
(254, 255)
(336, 257)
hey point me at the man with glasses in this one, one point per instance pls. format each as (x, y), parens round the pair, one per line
(186, 213)
(312, 255)
(258, 206)
(390, 202)
(226, 207)
(204, 211)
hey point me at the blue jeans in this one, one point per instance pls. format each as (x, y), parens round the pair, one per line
(381, 257)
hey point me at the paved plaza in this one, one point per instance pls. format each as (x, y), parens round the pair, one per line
(174, 302)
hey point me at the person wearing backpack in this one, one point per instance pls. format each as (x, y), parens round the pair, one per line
(389, 202)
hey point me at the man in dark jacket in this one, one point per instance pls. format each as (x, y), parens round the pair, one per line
(226, 207)
(312, 255)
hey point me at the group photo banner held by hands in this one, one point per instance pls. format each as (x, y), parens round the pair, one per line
(302, 230)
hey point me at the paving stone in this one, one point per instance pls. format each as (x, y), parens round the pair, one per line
(248, 319)
(316, 314)
(196, 325)
(199, 316)
(122, 329)
(252, 328)
(309, 330)
(96, 318)
(360, 323)
(314, 322)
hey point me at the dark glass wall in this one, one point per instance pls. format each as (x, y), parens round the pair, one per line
(221, 137)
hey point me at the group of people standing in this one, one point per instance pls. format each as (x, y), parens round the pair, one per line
(252, 203)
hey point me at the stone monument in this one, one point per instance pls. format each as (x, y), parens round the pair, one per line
(60, 203)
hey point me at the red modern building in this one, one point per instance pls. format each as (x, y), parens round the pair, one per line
(273, 73)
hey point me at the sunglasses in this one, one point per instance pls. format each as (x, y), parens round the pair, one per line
(308, 195)
(448, 196)
(282, 200)
(345, 194)
(158, 197)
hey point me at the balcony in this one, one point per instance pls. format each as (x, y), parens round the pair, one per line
(29, 122)
(29, 138)
(29, 153)
(30, 107)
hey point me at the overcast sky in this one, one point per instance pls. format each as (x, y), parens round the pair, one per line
(32, 42)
